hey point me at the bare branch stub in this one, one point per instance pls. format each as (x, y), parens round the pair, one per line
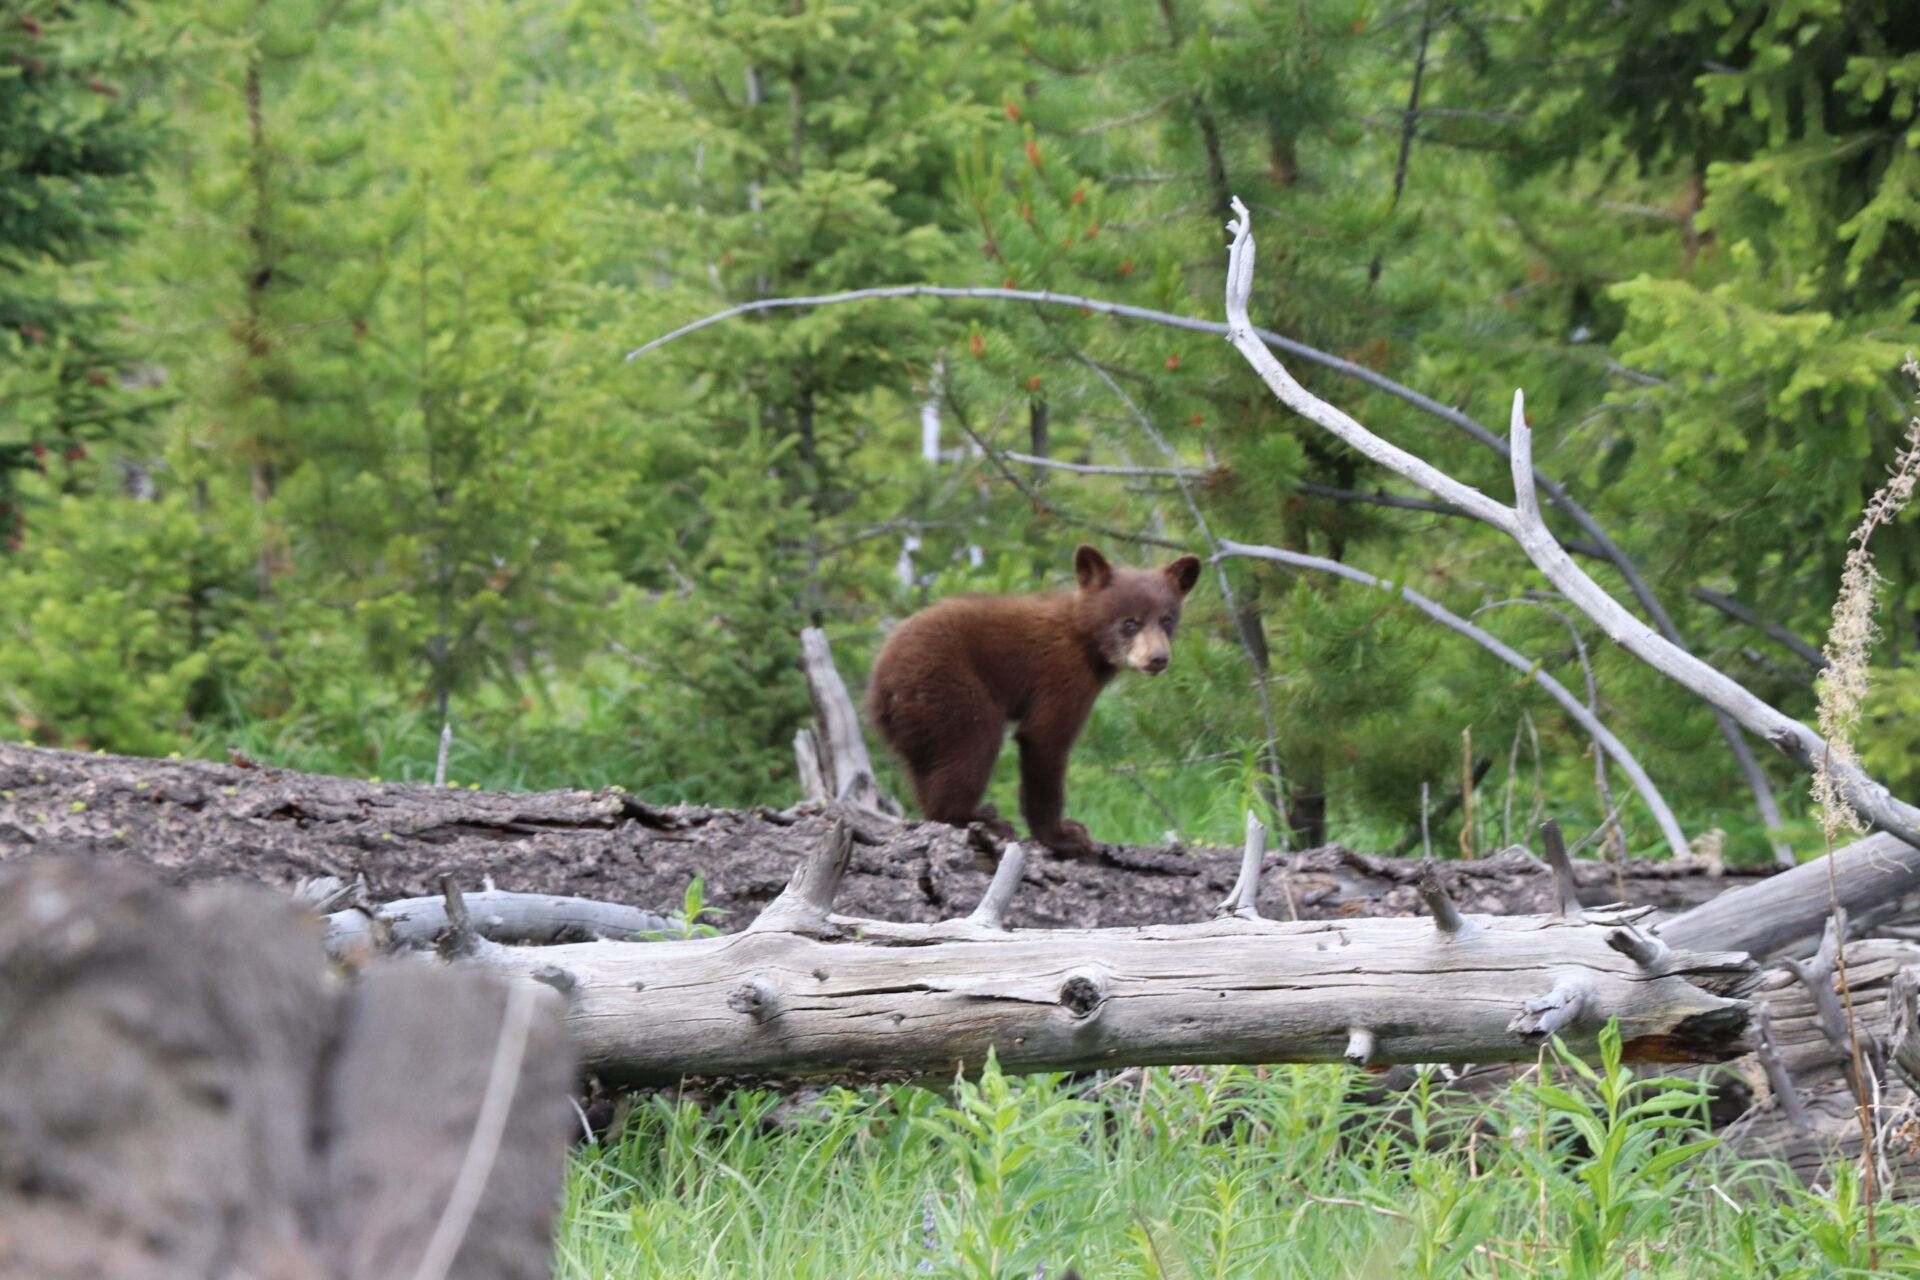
(992, 911)
(1446, 916)
(1081, 995)
(1817, 976)
(1244, 899)
(1555, 846)
(1360, 1046)
(804, 904)
(460, 941)
(1649, 953)
(754, 997)
(846, 768)
(1778, 1079)
(1553, 1013)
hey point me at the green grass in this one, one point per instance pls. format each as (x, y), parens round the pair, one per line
(1249, 1173)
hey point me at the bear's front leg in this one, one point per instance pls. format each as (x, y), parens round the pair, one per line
(1043, 789)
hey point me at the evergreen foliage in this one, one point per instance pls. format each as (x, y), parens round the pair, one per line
(72, 179)
(392, 255)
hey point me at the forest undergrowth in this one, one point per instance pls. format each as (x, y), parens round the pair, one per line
(1218, 1172)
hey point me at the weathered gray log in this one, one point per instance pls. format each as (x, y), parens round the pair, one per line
(186, 1092)
(496, 915)
(1875, 879)
(801, 993)
(1903, 1025)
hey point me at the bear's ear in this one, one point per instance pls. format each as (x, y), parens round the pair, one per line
(1183, 573)
(1091, 568)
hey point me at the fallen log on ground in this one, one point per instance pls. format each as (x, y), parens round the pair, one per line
(1873, 880)
(516, 919)
(186, 1092)
(802, 992)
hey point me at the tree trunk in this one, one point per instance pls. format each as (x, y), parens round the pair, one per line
(1874, 880)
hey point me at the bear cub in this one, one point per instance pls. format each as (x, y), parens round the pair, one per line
(950, 677)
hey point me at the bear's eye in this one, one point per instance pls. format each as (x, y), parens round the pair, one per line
(1166, 624)
(1128, 627)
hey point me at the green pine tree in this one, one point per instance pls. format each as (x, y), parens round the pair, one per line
(72, 186)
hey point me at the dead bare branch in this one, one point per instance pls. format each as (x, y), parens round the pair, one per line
(1522, 523)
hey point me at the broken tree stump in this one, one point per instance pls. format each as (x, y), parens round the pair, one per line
(833, 760)
(185, 1091)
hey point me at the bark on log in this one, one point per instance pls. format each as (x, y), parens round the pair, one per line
(185, 1092)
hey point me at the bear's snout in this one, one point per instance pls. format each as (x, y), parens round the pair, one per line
(1148, 652)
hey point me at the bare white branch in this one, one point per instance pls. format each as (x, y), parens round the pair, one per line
(1802, 744)
(1611, 744)
(1243, 901)
(992, 911)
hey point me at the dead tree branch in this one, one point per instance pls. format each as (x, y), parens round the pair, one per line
(840, 750)
(1523, 524)
(1577, 710)
(497, 916)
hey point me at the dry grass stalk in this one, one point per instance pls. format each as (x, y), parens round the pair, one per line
(1842, 690)
(1843, 686)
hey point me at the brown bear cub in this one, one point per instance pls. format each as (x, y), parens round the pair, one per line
(951, 676)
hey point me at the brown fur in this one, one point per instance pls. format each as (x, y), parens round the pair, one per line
(951, 676)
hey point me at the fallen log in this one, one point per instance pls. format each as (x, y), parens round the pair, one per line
(522, 919)
(1873, 880)
(802, 992)
(188, 1092)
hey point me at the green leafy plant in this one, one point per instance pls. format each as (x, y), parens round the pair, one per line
(1632, 1167)
(1012, 1152)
